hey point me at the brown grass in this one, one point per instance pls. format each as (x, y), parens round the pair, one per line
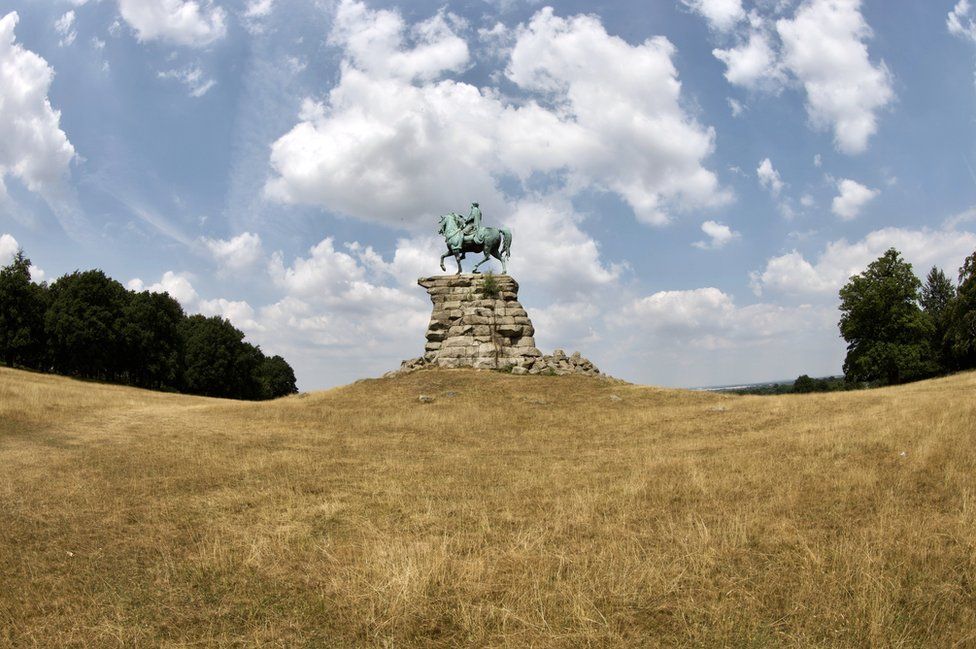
(523, 511)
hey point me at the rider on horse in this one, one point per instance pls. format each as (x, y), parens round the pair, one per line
(466, 234)
(472, 226)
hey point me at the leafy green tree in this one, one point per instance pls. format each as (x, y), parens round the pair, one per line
(151, 332)
(22, 305)
(84, 323)
(886, 332)
(216, 360)
(804, 384)
(962, 319)
(276, 378)
(938, 294)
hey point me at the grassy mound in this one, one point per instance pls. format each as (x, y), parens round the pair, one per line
(509, 511)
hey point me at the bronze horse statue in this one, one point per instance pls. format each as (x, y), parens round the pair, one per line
(467, 235)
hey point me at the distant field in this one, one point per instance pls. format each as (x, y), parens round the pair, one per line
(522, 511)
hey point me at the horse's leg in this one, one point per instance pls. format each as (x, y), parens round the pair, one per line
(487, 257)
(500, 257)
(457, 258)
(445, 256)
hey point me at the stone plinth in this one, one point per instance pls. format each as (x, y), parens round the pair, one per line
(477, 325)
(478, 322)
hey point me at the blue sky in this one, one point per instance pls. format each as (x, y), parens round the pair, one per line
(689, 182)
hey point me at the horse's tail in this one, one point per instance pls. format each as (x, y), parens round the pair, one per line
(507, 246)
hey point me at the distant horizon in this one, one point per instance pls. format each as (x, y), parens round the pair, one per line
(688, 183)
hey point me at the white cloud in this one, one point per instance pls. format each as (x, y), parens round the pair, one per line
(176, 284)
(704, 337)
(237, 253)
(721, 15)
(239, 312)
(255, 14)
(180, 288)
(380, 44)
(752, 63)
(181, 22)
(793, 274)
(719, 235)
(8, 248)
(961, 22)
(34, 148)
(327, 273)
(852, 198)
(193, 78)
(395, 142)
(63, 26)
(709, 319)
(258, 8)
(736, 107)
(824, 47)
(559, 248)
(769, 177)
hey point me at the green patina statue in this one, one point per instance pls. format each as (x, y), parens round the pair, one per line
(466, 234)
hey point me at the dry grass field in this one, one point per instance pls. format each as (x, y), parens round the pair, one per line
(510, 512)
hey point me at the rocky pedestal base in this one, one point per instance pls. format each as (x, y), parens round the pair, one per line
(478, 322)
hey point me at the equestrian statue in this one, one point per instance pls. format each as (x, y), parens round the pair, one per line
(466, 234)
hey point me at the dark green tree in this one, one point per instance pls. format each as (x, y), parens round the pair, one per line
(151, 332)
(216, 360)
(886, 332)
(22, 305)
(804, 384)
(962, 318)
(276, 378)
(84, 323)
(936, 301)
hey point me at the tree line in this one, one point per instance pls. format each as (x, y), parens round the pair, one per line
(87, 325)
(899, 329)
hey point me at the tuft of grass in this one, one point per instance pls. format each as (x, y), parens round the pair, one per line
(549, 516)
(489, 286)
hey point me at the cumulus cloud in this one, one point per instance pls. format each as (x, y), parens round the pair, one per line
(237, 253)
(255, 14)
(708, 318)
(793, 274)
(823, 49)
(852, 198)
(180, 287)
(34, 148)
(769, 177)
(258, 8)
(961, 21)
(753, 63)
(559, 245)
(181, 22)
(721, 15)
(718, 236)
(8, 248)
(64, 26)
(396, 141)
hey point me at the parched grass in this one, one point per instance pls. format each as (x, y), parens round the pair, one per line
(511, 511)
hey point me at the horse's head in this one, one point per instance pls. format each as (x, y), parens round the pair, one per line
(448, 223)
